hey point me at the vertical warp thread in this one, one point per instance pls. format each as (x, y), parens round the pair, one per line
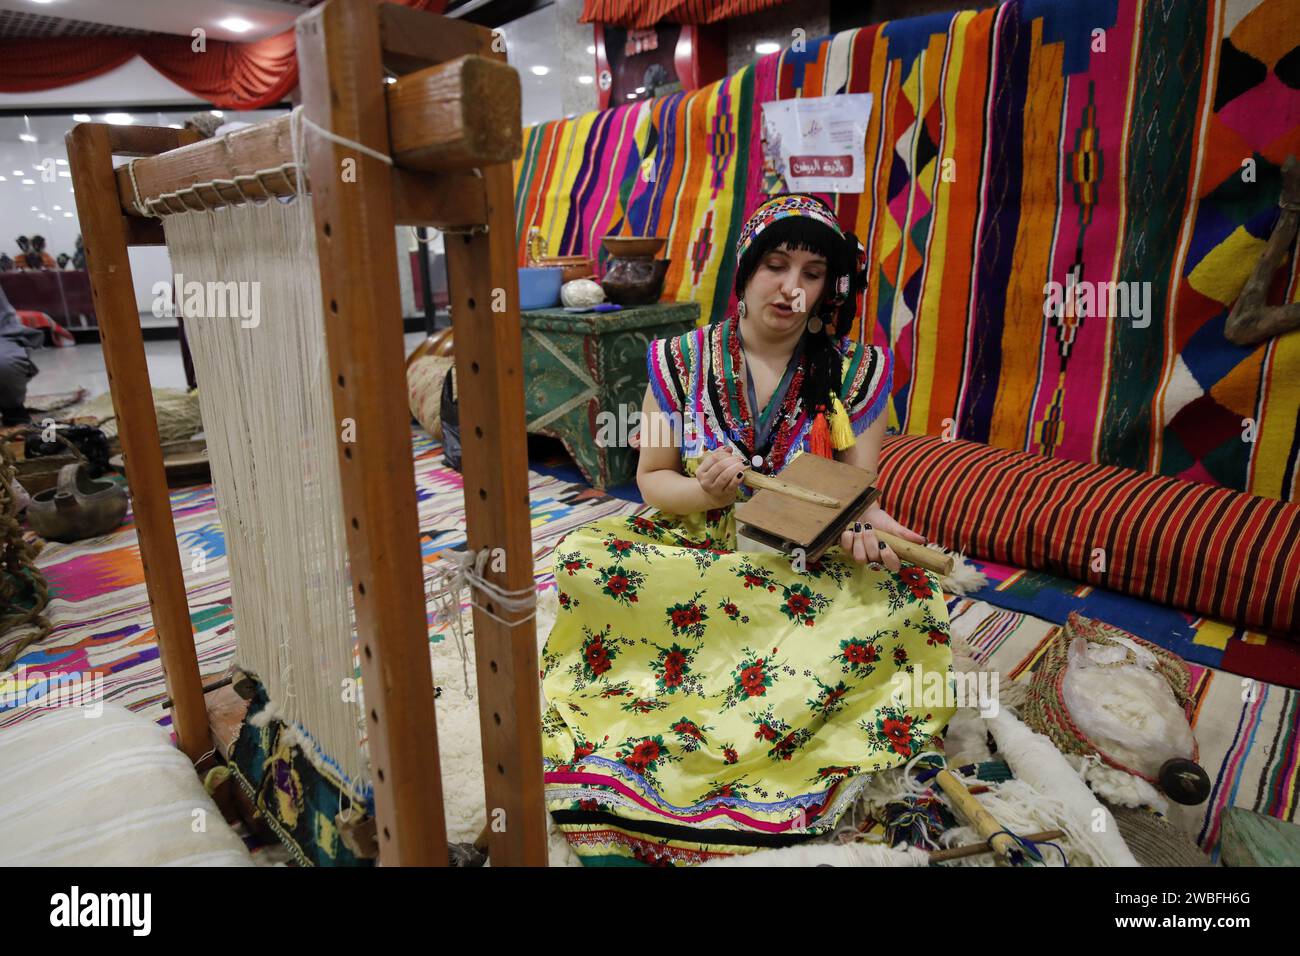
(265, 394)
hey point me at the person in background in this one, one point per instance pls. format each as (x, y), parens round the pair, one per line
(24, 252)
(16, 366)
(38, 258)
(6, 263)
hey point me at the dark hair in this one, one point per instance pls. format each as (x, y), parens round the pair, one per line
(823, 364)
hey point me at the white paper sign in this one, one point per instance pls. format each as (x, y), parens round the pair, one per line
(816, 143)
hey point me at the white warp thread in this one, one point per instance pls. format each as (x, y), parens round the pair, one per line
(272, 439)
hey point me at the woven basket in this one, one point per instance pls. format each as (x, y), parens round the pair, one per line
(1045, 710)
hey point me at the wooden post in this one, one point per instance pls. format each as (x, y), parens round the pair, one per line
(90, 156)
(483, 280)
(343, 91)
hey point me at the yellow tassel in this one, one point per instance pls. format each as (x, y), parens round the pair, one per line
(841, 430)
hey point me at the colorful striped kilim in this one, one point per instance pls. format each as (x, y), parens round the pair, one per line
(1119, 141)
(100, 611)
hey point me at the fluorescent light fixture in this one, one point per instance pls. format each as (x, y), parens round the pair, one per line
(29, 182)
(765, 48)
(584, 80)
(27, 137)
(58, 208)
(60, 162)
(541, 70)
(81, 117)
(119, 119)
(67, 215)
(235, 24)
(3, 179)
(19, 172)
(36, 209)
(66, 175)
(217, 113)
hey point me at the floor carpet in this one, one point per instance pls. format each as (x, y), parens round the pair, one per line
(1250, 743)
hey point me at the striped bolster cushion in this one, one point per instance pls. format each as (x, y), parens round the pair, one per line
(1203, 548)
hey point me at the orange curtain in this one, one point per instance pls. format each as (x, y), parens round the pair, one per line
(646, 13)
(235, 76)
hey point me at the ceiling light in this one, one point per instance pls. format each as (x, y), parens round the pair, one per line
(27, 137)
(631, 96)
(119, 119)
(586, 80)
(765, 48)
(67, 215)
(591, 49)
(217, 113)
(2, 179)
(19, 172)
(29, 182)
(58, 208)
(235, 25)
(640, 89)
(60, 162)
(81, 117)
(541, 70)
(36, 209)
(65, 175)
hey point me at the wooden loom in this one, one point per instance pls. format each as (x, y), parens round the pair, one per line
(450, 122)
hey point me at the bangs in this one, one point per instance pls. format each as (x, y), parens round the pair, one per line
(803, 234)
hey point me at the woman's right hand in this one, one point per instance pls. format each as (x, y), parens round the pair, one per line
(719, 474)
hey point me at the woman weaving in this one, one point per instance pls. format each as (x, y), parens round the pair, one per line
(705, 701)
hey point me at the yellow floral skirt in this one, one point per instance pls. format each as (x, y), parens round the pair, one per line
(704, 702)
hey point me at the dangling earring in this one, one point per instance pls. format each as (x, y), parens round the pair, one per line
(815, 324)
(740, 308)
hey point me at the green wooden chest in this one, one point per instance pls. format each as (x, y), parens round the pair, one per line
(585, 377)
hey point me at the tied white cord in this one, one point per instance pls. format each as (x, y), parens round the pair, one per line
(459, 569)
(334, 137)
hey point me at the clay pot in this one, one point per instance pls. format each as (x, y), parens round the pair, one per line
(635, 281)
(633, 247)
(77, 507)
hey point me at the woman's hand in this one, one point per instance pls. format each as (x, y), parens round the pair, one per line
(719, 474)
(859, 539)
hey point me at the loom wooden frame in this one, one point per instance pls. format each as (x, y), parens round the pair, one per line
(442, 176)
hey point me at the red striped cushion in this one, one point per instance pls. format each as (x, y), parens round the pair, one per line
(1194, 546)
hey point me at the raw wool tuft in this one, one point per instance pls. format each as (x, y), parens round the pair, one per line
(965, 577)
(1115, 786)
(272, 441)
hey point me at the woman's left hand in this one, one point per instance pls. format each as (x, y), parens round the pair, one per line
(859, 539)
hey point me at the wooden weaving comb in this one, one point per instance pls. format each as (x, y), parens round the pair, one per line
(812, 503)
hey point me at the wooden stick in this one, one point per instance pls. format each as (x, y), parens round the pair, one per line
(1252, 319)
(756, 479)
(342, 90)
(975, 849)
(917, 554)
(974, 813)
(90, 155)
